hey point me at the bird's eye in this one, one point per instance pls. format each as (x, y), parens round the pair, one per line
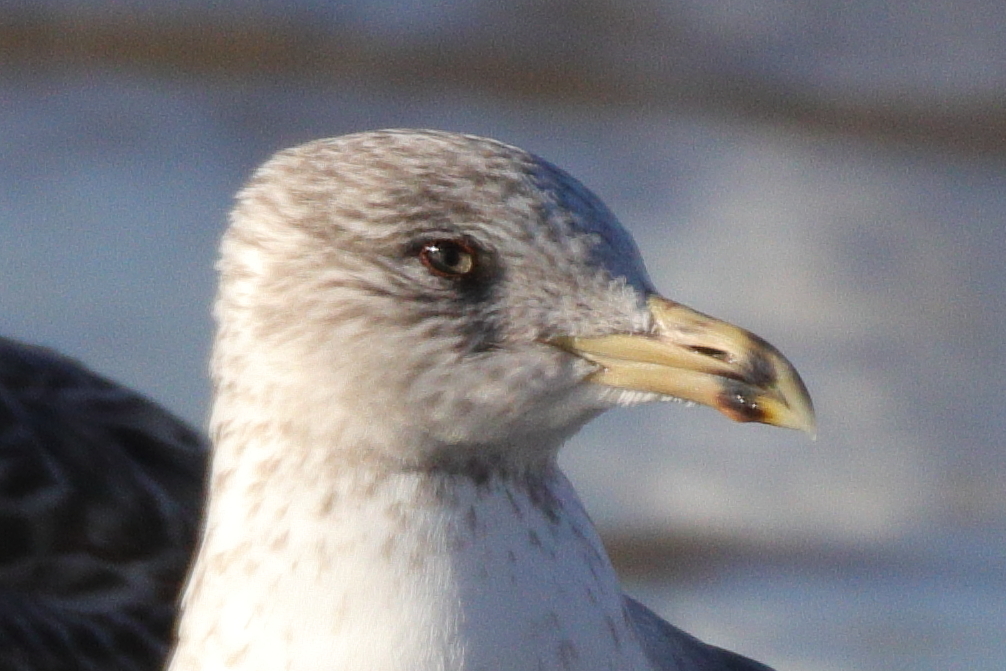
(448, 258)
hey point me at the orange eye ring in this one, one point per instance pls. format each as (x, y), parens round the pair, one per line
(449, 258)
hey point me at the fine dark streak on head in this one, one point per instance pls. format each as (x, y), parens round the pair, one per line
(490, 477)
(613, 630)
(517, 510)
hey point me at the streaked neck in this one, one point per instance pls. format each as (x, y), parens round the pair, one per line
(417, 571)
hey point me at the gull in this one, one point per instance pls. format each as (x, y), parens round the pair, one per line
(100, 497)
(410, 325)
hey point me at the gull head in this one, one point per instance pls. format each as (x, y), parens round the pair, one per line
(429, 300)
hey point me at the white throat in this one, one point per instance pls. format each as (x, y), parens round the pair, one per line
(406, 571)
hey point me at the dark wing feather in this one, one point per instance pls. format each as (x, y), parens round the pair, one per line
(100, 500)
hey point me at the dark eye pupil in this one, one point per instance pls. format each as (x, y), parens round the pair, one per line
(448, 258)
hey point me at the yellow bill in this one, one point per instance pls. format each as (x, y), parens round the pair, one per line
(695, 357)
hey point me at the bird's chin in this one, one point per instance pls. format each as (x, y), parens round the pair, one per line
(622, 398)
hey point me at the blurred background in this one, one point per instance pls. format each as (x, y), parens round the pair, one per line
(831, 175)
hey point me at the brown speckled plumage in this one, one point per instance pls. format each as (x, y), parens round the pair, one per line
(396, 368)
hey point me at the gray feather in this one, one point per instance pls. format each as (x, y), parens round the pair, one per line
(670, 649)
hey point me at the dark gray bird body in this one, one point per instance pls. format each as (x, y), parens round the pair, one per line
(100, 498)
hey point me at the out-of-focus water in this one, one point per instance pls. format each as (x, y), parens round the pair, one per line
(879, 271)
(938, 606)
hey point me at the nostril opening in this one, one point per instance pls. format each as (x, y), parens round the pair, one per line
(711, 352)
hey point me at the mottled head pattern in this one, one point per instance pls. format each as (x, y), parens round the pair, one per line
(395, 374)
(325, 301)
